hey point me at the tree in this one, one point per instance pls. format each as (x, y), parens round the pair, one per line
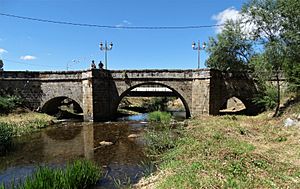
(265, 15)
(231, 50)
(290, 11)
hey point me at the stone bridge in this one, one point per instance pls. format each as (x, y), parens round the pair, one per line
(97, 93)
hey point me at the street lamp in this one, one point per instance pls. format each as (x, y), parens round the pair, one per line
(198, 48)
(105, 48)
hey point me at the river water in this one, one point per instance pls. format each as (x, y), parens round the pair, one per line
(122, 161)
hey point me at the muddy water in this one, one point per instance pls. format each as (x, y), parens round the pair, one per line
(67, 141)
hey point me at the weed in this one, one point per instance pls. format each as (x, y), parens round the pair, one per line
(125, 183)
(148, 167)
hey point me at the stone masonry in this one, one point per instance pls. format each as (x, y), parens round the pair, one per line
(99, 92)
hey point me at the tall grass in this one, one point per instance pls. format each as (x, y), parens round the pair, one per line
(79, 174)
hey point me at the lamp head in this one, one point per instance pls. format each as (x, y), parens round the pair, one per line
(193, 45)
(204, 45)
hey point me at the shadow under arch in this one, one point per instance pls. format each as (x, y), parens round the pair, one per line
(127, 91)
(249, 109)
(51, 106)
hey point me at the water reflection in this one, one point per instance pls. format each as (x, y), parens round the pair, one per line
(68, 141)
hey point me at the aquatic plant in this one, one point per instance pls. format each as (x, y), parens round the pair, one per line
(158, 116)
(79, 174)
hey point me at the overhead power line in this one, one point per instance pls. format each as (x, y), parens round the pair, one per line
(112, 26)
(26, 64)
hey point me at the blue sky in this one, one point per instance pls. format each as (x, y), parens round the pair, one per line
(30, 45)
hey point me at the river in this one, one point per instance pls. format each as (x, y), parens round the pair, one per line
(122, 160)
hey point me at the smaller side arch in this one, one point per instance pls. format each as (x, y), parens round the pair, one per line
(124, 93)
(250, 107)
(52, 105)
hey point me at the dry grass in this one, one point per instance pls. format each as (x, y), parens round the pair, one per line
(233, 152)
(25, 123)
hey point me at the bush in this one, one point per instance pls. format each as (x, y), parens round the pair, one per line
(79, 174)
(6, 133)
(267, 99)
(159, 116)
(8, 103)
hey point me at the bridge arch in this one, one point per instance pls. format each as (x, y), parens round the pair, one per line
(127, 91)
(51, 106)
(250, 107)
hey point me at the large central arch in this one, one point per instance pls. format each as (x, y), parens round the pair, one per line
(127, 91)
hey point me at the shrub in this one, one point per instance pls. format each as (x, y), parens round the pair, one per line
(8, 103)
(268, 98)
(6, 133)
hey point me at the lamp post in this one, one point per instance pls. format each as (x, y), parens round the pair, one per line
(198, 48)
(105, 48)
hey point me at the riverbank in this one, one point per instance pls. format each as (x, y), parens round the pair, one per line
(26, 122)
(232, 152)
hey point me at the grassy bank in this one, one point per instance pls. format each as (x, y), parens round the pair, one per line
(13, 125)
(79, 174)
(25, 123)
(232, 152)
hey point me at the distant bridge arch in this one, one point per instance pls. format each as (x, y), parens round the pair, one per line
(176, 94)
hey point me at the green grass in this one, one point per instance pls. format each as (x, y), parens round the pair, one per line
(232, 152)
(79, 174)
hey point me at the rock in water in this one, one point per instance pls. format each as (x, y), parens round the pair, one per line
(105, 143)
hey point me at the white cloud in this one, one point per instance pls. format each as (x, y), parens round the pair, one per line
(227, 14)
(28, 57)
(123, 23)
(234, 15)
(3, 51)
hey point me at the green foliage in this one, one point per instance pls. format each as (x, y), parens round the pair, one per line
(157, 104)
(277, 27)
(6, 133)
(79, 174)
(8, 103)
(267, 98)
(158, 116)
(231, 50)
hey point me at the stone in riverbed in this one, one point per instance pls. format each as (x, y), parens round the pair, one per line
(105, 143)
(133, 136)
